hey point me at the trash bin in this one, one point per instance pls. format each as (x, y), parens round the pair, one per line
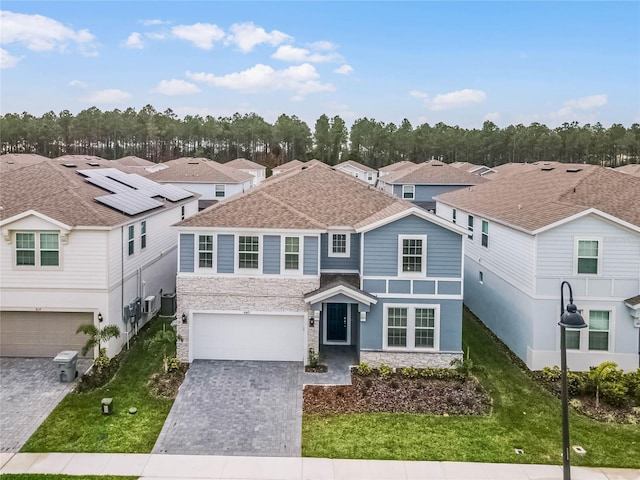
(107, 406)
(66, 362)
(168, 304)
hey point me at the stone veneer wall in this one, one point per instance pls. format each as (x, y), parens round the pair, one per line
(408, 359)
(257, 294)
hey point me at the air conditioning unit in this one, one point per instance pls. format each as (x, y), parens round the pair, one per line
(149, 305)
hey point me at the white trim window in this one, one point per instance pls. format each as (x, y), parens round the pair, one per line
(37, 249)
(143, 234)
(412, 255)
(470, 226)
(413, 327)
(408, 192)
(291, 257)
(182, 212)
(339, 245)
(219, 191)
(485, 233)
(131, 241)
(248, 252)
(594, 338)
(205, 251)
(454, 216)
(588, 255)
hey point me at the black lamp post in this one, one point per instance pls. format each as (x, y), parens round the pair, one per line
(568, 319)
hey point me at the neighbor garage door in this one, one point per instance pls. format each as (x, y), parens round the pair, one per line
(41, 334)
(247, 337)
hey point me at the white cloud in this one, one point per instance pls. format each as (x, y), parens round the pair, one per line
(457, 99)
(579, 109)
(344, 69)
(77, 83)
(300, 79)
(156, 35)
(153, 21)
(492, 117)
(418, 94)
(587, 103)
(247, 35)
(288, 53)
(134, 41)
(111, 95)
(7, 60)
(41, 34)
(323, 45)
(176, 87)
(202, 35)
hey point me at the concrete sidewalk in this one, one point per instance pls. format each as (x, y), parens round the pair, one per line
(170, 467)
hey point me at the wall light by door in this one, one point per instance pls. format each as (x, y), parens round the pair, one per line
(100, 317)
(184, 318)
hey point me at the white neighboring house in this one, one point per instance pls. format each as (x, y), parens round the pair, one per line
(367, 174)
(257, 171)
(530, 232)
(394, 167)
(83, 245)
(472, 168)
(213, 181)
(285, 167)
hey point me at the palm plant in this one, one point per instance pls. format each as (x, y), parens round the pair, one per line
(166, 339)
(97, 336)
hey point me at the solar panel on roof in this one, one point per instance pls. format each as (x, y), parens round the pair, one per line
(131, 203)
(109, 185)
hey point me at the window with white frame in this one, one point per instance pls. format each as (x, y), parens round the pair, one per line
(182, 212)
(219, 191)
(291, 254)
(454, 215)
(408, 192)
(339, 244)
(588, 257)
(595, 337)
(37, 249)
(412, 255)
(143, 235)
(205, 251)
(411, 327)
(470, 226)
(248, 252)
(485, 233)
(132, 232)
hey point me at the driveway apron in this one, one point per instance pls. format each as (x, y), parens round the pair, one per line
(236, 408)
(29, 390)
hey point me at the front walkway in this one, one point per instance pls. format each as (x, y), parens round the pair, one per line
(236, 408)
(339, 359)
(29, 390)
(203, 467)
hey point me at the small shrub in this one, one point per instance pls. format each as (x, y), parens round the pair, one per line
(385, 371)
(607, 381)
(551, 374)
(314, 358)
(575, 403)
(173, 364)
(632, 382)
(364, 369)
(410, 372)
(576, 384)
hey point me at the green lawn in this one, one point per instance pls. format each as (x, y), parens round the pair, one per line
(77, 423)
(524, 416)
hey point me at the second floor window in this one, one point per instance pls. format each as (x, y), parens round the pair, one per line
(470, 226)
(219, 191)
(248, 252)
(485, 233)
(408, 192)
(37, 249)
(131, 239)
(588, 255)
(143, 235)
(292, 253)
(413, 254)
(454, 216)
(205, 251)
(339, 244)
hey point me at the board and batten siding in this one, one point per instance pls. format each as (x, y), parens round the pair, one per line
(352, 262)
(187, 249)
(444, 248)
(271, 254)
(310, 257)
(371, 331)
(225, 256)
(619, 274)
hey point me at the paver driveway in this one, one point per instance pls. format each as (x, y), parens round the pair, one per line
(29, 391)
(236, 408)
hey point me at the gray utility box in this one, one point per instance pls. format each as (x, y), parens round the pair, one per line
(66, 365)
(168, 304)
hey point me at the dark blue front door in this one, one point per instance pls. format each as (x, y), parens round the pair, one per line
(336, 322)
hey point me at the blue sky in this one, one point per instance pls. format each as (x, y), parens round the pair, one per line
(460, 63)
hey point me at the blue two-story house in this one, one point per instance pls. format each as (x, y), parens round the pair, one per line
(315, 257)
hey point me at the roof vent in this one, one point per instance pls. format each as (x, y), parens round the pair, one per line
(193, 163)
(547, 169)
(69, 165)
(573, 170)
(93, 164)
(10, 162)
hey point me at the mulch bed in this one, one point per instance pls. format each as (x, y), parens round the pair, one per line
(315, 368)
(399, 394)
(166, 385)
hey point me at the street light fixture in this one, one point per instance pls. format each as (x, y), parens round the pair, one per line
(568, 319)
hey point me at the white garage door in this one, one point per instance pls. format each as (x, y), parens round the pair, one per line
(218, 336)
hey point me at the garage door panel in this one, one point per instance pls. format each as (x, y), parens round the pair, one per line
(248, 337)
(41, 334)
